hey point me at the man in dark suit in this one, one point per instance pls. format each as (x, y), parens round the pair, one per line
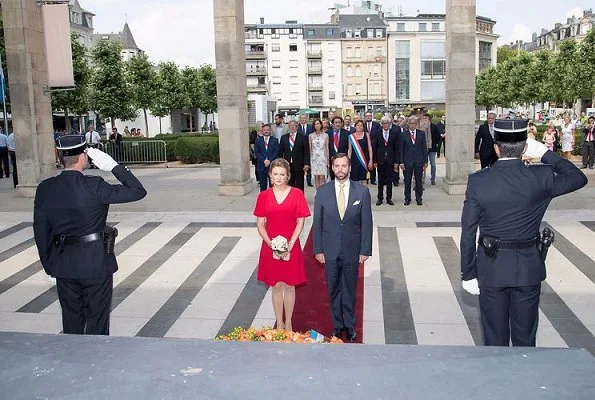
(306, 130)
(507, 202)
(442, 128)
(385, 150)
(338, 141)
(73, 242)
(588, 145)
(372, 128)
(432, 139)
(266, 149)
(295, 148)
(413, 155)
(347, 125)
(342, 239)
(398, 126)
(484, 142)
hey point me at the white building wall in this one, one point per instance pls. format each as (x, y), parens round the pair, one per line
(286, 70)
(139, 122)
(331, 73)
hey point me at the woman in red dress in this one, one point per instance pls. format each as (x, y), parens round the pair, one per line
(281, 210)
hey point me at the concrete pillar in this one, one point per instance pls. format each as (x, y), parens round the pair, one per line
(460, 93)
(232, 101)
(31, 105)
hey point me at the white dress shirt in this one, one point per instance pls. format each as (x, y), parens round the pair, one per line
(11, 142)
(92, 138)
(345, 191)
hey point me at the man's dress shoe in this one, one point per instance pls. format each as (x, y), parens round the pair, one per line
(419, 203)
(350, 334)
(338, 333)
(379, 203)
(407, 202)
(390, 203)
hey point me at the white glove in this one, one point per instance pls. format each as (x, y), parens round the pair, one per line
(101, 160)
(471, 286)
(535, 149)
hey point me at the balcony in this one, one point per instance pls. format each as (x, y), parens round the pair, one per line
(257, 88)
(315, 70)
(314, 54)
(315, 100)
(315, 87)
(255, 55)
(262, 71)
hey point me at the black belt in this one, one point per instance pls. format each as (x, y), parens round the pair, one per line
(62, 240)
(514, 244)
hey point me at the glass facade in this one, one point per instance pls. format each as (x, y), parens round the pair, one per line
(433, 71)
(402, 69)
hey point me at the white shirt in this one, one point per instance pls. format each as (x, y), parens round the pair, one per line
(11, 142)
(3, 138)
(92, 138)
(345, 191)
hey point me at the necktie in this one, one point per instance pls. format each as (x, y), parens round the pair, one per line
(412, 137)
(341, 201)
(385, 133)
(291, 141)
(369, 127)
(336, 141)
(266, 142)
(492, 131)
(304, 129)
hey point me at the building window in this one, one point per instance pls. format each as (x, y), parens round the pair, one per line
(331, 79)
(330, 32)
(376, 70)
(348, 33)
(293, 63)
(349, 71)
(349, 52)
(358, 71)
(379, 33)
(402, 69)
(274, 33)
(331, 63)
(485, 55)
(400, 27)
(310, 32)
(435, 27)
(358, 88)
(293, 80)
(331, 95)
(369, 33)
(423, 27)
(433, 69)
(357, 33)
(295, 96)
(293, 47)
(276, 80)
(433, 91)
(358, 52)
(378, 51)
(275, 47)
(276, 63)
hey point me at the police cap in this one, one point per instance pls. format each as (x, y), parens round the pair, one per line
(510, 130)
(71, 145)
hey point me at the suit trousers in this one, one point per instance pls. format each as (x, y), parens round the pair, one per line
(13, 161)
(385, 175)
(297, 176)
(396, 176)
(85, 305)
(419, 187)
(341, 281)
(263, 179)
(4, 160)
(509, 313)
(588, 154)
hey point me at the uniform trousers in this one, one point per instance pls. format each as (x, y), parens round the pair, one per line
(341, 280)
(13, 162)
(85, 305)
(4, 161)
(419, 187)
(509, 314)
(588, 153)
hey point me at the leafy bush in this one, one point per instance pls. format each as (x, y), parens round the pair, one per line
(172, 136)
(192, 150)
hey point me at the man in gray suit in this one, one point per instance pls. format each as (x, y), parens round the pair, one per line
(280, 128)
(342, 232)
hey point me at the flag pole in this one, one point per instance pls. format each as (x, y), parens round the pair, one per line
(3, 98)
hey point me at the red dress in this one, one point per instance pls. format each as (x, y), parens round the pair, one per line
(281, 219)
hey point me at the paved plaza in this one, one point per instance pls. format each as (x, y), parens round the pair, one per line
(188, 261)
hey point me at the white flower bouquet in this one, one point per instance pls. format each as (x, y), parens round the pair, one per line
(280, 248)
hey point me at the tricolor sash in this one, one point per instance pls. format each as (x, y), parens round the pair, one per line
(357, 149)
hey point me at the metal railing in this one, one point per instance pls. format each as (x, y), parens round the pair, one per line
(141, 152)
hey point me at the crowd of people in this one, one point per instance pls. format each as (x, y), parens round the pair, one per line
(379, 151)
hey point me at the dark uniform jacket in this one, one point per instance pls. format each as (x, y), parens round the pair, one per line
(74, 204)
(484, 145)
(508, 201)
(387, 153)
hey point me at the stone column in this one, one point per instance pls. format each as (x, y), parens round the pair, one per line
(460, 93)
(232, 101)
(31, 105)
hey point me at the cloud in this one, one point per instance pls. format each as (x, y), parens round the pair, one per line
(574, 12)
(519, 32)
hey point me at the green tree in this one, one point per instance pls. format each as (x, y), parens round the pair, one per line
(192, 86)
(541, 76)
(504, 53)
(76, 100)
(111, 95)
(170, 92)
(141, 76)
(564, 74)
(485, 93)
(208, 89)
(586, 66)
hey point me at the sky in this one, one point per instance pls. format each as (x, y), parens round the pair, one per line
(182, 30)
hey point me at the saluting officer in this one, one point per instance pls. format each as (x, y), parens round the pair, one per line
(507, 201)
(74, 243)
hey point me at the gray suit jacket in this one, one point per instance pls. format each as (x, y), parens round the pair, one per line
(349, 237)
(284, 130)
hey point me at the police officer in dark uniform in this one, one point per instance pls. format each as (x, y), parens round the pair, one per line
(507, 201)
(75, 246)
